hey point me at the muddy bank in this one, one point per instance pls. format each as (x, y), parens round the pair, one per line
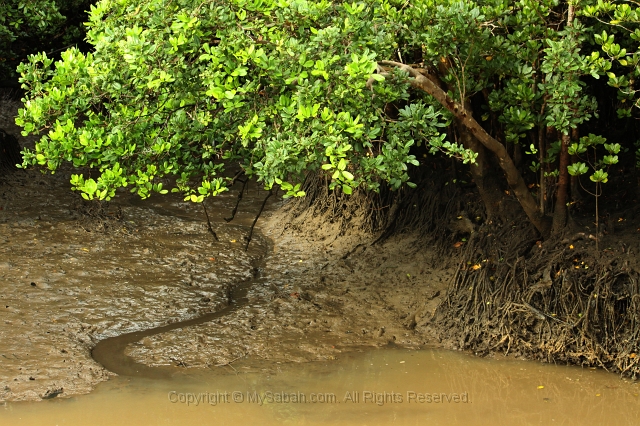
(70, 278)
(314, 303)
(74, 273)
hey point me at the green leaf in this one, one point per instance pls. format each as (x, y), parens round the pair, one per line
(90, 186)
(577, 169)
(599, 176)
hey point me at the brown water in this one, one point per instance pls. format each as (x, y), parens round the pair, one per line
(386, 386)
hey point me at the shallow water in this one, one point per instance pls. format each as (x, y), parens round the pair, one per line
(351, 391)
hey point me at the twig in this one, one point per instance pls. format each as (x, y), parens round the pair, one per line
(246, 247)
(235, 178)
(350, 252)
(228, 363)
(209, 223)
(541, 315)
(279, 294)
(235, 209)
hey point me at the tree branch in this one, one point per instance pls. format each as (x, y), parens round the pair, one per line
(514, 178)
(244, 184)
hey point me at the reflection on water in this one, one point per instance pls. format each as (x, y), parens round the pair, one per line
(386, 386)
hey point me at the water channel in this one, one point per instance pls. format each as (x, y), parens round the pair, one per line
(384, 386)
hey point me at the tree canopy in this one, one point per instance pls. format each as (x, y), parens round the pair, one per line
(27, 27)
(187, 88)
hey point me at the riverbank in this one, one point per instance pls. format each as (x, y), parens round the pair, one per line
(316, 299)
(73, 273)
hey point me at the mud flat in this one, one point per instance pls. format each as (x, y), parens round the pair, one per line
(70, 279)
(74, 273)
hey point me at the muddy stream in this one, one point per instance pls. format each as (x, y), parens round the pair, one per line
(380, 386)
(202, 331)
(111, 352)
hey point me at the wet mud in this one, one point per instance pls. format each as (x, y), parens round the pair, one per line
(67, 285)
(74, 274)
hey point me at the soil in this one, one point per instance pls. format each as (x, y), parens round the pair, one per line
(68, 282)
(313, 304)
(73, 273)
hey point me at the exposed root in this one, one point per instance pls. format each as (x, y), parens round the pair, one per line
(554, 301)
(548, 302)
(95, 216)
(255, 220)
(209, 227)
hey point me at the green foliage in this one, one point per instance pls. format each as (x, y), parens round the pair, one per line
(563, 66)
(26, 26)
(526, 63)
(619, 39)
(187, 87)
(21, 18)
(597, 165)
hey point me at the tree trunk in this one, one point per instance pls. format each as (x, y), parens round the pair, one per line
(464, 117)
(489, 190)
(560, 213)
(542, 191)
